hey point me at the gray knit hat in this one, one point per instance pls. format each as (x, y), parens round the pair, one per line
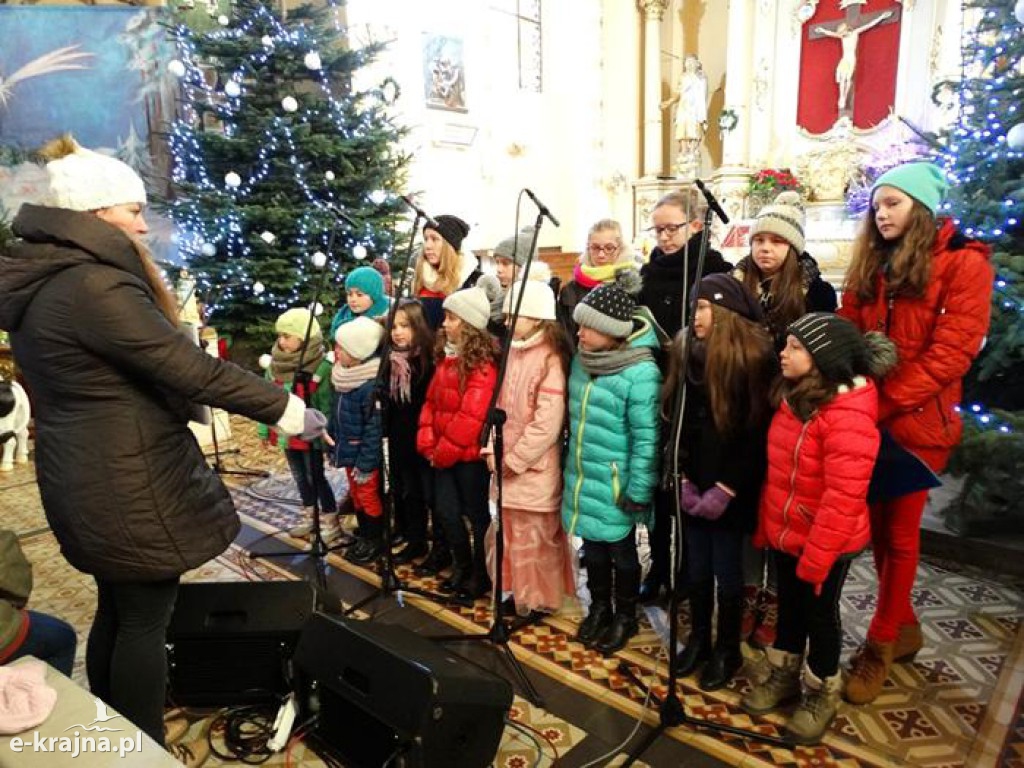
(607, 309)
(517, 247)
(470, 304)
(838, 348)
(785, 218)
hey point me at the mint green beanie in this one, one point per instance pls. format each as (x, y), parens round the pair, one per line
(924, 182)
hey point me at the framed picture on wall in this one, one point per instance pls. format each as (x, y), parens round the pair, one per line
(444, 75)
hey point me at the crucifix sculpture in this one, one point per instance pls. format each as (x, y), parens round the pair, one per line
(847, 31)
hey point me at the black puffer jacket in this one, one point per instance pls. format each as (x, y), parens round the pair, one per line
(124, 483)
(663, 281)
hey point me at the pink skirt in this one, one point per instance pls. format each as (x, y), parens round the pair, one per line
(537, 564)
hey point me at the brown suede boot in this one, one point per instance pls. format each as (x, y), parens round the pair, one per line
(869, 668)
(908, 643)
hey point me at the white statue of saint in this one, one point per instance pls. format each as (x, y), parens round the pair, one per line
(691, 116)
(849, 37)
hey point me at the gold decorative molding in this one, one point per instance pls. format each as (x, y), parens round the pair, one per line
(653, 8)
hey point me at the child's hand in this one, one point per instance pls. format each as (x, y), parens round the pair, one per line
(712, 504)
(328, 439)
(631, 507)
(689, 495)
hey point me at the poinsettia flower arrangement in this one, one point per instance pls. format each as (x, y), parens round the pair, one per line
(769, 181)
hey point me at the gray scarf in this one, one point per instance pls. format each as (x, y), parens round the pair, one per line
(612, 361)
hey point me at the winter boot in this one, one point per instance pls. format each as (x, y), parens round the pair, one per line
(599, 582)
(650, 589)
(624, 625)
(479, 582)
(869, 668)
(781, 687)
(462, 566)
(698, 645)
(817, 710)
(372, 545)
(330, 530)
(908, 643)
(440, 557)
(727, 657)
(767, 620)
(305, 526)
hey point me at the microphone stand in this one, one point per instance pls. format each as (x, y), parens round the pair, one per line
(670, 709)
(499, 632)
(318, 548)
(389, 582)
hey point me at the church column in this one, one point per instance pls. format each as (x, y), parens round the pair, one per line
(653, 11)
(732, 178)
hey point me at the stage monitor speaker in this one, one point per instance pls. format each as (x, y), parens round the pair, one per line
(232, 643)
(384, 695)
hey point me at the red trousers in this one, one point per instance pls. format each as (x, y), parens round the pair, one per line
(365, 496)
(896, 543)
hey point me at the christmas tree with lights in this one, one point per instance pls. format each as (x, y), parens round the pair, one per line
(985, 162)
(275, 140)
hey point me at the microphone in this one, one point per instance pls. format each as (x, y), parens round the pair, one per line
(333, 208)
(712, 202)
(545, 211)
(430, 222)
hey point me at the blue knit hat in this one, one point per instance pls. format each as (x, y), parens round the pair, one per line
(924, 182)
(369, 281)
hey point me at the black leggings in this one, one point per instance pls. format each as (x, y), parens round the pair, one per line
(126, 658)
(806, 619)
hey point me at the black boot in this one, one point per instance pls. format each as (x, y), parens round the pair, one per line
(698, 644)
(412, 551)
(439, 558)
(624, 625)
(479, 582)
(650, 590)
(727, 657)
(599, 582)
(462, 565)
(371, 546)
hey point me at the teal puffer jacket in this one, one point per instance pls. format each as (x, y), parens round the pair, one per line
(613, 445)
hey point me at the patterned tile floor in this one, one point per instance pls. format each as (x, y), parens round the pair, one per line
(958, 704)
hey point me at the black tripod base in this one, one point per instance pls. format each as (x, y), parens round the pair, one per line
(671, 714)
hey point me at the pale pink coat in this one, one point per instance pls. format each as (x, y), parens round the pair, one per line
(533, 396)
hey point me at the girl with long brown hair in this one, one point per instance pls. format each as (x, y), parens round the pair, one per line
(722, 457)
(779, 272)
(928, 288)
(410, 369)
(450, 424)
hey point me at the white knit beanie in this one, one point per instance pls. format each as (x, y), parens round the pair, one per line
(83, 180)
(538, 300)
(785, 218)
(471, 305)
(360, 337)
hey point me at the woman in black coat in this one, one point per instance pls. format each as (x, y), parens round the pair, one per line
(125, 486)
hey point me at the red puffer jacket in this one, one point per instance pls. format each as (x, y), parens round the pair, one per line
(937, 337)
(451, 419)
(814, 499)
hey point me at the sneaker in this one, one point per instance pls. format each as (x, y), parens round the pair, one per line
(192, 753)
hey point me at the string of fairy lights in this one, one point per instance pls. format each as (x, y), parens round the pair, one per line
(226, 233)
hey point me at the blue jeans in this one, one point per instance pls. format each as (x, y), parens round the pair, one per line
(50, 639)
(308, 471)
(126, 657)
(715, 554)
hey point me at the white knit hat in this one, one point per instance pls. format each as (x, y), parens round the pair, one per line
(785, 218)
(360, 337)
(471, 305)
(538, 300)
(83, 180)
